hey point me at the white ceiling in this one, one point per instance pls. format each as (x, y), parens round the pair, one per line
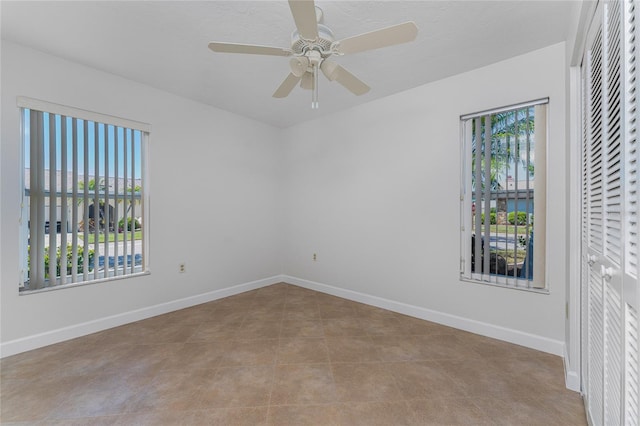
(164, 44)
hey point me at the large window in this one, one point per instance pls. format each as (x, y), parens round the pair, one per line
(84, 209)
(503, 196)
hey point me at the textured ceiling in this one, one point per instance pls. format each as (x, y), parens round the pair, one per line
(164, 44)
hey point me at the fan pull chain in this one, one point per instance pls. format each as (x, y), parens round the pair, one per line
(314, 96)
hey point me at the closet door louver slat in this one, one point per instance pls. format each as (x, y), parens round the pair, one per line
(630, 115)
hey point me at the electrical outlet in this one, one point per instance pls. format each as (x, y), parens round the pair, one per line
(315, 257)
(182, 268)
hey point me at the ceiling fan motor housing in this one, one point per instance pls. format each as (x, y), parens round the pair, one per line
(322, 43)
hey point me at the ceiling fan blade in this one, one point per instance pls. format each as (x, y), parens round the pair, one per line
(286, 87)
(307, 81)
(299, 65)
(384, 37)
(335, 72)
(252, 49)
(304, 15)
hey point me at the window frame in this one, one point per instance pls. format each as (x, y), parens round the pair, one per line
(539, 282)
(26, 103)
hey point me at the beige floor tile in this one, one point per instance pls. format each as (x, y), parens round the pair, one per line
(304, 415)
(383, 327)
(246, 386)
(152, 418)
(302, 351)
(97, 359)
(365, 382)
(303, 384)
(124, 334)
(100, 395)
(448, 411)
(146, 359)
(218, 315)
(289, 356)
(481, 378)
(302, 328)
(244, 416)
(29, 400)
(396, 348)
(215, 331)
(520, 410)
(301, 299)
(423, 380)
(204, 355)
(83, 421)
(351, 326)
(263, 312)
(539, 372)
(337, 311)
(301, 312)
(352, 349)
(249, 352)
(259, 329)
(443, 347)
(565, 408)
(172, 390)
(395, 413)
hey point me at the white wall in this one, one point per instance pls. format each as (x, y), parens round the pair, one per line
(214, 194)
(374, 191)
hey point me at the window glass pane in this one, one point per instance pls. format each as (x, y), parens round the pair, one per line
(83, 200)
(499, 188)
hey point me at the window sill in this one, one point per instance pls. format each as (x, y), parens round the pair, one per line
(511, 287)
(83, 283)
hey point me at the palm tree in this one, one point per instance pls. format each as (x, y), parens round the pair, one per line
(508, 134)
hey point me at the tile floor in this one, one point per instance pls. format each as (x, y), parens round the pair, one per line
(285, 355)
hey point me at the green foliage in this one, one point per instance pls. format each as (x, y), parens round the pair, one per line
(121, 224)
(492, 218)
(508, 136)
(522, 241)
(69, 262)
(92, 185)
(522, 218)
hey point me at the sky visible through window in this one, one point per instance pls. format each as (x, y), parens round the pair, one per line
(110, 133)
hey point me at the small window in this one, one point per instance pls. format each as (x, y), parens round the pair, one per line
(503, 196)
(84, 208)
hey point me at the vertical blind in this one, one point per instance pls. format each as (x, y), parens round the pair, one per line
(84, 196)
(503, 150)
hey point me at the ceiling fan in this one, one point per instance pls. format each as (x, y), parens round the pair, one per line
(313, 43)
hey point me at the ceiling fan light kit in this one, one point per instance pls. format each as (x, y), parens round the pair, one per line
(312, 43)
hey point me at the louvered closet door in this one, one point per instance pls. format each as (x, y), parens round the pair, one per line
(630, 30)
(612, 185)
(609, 217)
(592, 238)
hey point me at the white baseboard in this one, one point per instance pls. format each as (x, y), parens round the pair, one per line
(544, 344)
(571, 376)
(572, 380)
(28, 343)
(510, 335)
